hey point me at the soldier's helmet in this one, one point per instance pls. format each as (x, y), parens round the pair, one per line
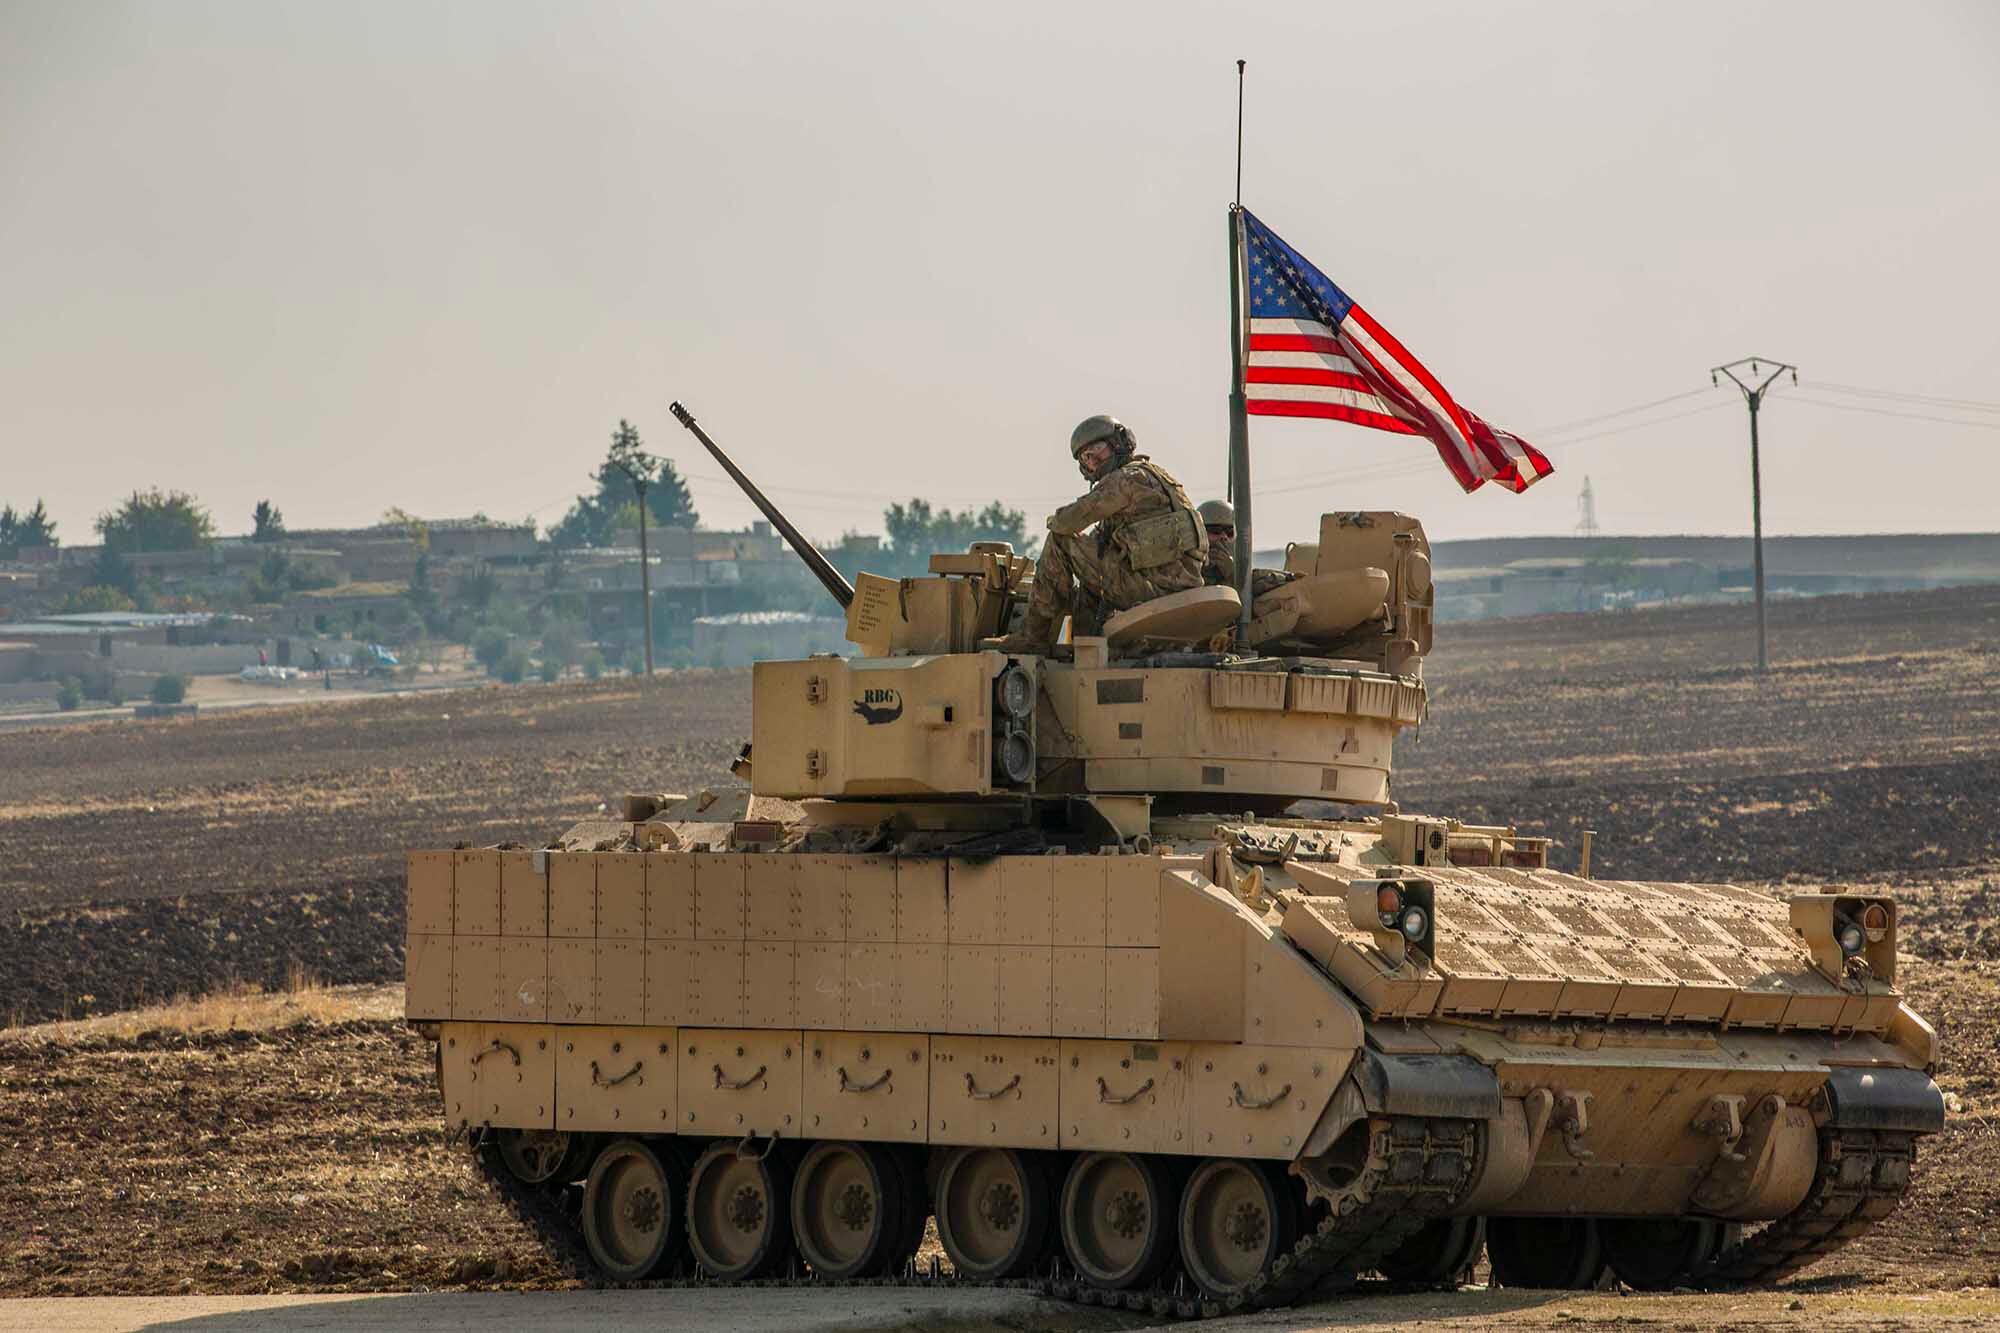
(1106, 428)
(1217, 514)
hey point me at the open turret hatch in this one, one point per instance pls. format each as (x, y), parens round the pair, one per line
(1194, 616)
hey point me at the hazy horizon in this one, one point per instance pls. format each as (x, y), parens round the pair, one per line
(361, 256)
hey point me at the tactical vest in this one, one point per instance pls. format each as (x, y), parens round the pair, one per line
(1159, 539)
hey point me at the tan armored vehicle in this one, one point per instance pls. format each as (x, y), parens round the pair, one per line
(1037, 946)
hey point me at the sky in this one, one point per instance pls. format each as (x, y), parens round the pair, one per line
(349, 256)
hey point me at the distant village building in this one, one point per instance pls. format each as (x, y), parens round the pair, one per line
(363, 607)
(1529, 576)
(99, 645)
(482, 539)
(313, 584)
(696, 574)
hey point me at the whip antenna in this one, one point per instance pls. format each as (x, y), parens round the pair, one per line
(1239, 133)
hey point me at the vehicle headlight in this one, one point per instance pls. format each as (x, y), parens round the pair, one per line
(1014, 756)
(1016, 692)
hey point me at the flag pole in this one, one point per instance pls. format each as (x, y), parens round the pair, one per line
(1239, 417)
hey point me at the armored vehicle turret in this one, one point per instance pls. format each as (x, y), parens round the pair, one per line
(1052, 949)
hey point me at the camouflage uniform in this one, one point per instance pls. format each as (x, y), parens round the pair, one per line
(1093, 577)
(1220, 572)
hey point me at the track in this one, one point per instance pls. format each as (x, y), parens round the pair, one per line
(1414, 1169)
(1862, 1176)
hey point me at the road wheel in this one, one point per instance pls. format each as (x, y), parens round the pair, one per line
(993, 1212)
(1659, 1253)
(847, 1209)
(1438, 1254)
(632, 1210)
(739, 1212)
(1120, 1214)
(541, 1156)
(1554, 1253)
(1237, 1217)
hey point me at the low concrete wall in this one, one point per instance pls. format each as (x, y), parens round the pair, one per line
(17, 661)
(29, 691)
(219, 659)
(82, 665)
(214, 659)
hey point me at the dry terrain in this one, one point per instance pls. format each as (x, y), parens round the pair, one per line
(290, 1142)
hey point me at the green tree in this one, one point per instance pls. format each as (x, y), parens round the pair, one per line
(418, 530)
(916, 531)
(38, 529)
(274, 578)
(98, 597)
(113, 570)
(21, 531)
(562, 641)
(156, 520)
(593, 518)
(69, 697)
(489, 647)
(269, 521)
(170, 689)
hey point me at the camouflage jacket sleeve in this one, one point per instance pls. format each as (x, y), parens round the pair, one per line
(1116, 494)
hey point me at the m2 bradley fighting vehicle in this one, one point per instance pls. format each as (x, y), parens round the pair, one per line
(1036, 945)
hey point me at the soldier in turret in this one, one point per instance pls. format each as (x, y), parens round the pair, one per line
(1148, 541)
(1218, 519)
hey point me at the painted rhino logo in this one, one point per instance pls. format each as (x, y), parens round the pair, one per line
(878, 706)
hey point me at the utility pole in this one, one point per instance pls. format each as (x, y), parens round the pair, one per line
(1754, 395)
(639, 468)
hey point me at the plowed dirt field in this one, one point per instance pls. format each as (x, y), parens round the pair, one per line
(301, 1150)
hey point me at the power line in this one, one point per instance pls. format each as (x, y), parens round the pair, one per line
(1643, 425)
(559, 500)
(841, 494)
(1564, 427)
(1928, 399)
(1391, 471)
(1891, 412)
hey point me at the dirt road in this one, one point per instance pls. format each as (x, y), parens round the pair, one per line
(690, 1311)
(948, 1311)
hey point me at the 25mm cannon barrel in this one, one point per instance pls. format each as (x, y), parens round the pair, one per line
(830, 578)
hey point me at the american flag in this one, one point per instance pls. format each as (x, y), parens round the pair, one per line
(1312, 352)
